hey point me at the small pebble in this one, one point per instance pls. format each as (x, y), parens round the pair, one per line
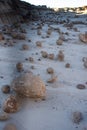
(6, 89)
(81, 86)
(50, 70)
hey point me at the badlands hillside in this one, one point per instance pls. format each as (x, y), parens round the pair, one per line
(43, 67)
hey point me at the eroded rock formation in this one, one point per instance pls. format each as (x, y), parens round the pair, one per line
(12, 11)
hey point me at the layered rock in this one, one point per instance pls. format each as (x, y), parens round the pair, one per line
(12, 11)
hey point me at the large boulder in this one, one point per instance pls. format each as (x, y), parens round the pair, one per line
(29, 85)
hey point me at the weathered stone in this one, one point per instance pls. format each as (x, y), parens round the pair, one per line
(44, 54)
(51, 56)
(60, 56)
(19, 67)
(11, 105)
(59, 42)
(83, 37)
(25, 47)
(29, 85)
(81, 86)
(77, 117)
(6, 89)
(10, 127)
(4, 116)
(50, 70)
(39, 43)
(67, 65)
(14, 11)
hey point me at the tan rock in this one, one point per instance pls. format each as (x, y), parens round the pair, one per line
(51, 56)
(6, 89)
(44, 54)
(29, 85)
(10, 127)
(60, 56)
(19, 67)
(83, 37)
(59, 42)
(25, 47)
(50, 70)
(11, 104)
(39, 43)
(4, 116)
(52, 79)
(31, 59)
(77, 117)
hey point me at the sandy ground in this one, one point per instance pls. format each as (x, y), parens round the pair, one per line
(62, 96)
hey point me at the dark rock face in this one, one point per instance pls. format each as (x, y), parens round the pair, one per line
(12, 11)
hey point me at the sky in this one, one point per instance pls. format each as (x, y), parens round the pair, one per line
(59, 3)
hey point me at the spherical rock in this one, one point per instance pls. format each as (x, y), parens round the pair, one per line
(50, 70)
(31, 59)
(83, 37)
(67, 65)
(39, 43)
(11, 105)
(59, 42)
(60, 56)
(81, 86)
(25, 47)
(4, 116)
(44, 54)
(6, 89)
(10, 127)
(29, 85)
(77, 117)
(51, 56)
(19, 67)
